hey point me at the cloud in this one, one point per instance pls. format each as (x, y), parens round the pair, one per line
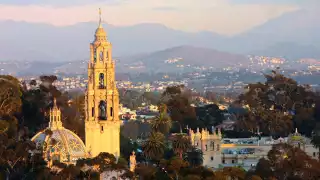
(220, 16)
(267, 1)
(58, 3)
(302, 3)
(166, 8)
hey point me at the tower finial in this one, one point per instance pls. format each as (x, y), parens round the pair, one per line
(100, 17)
(54, 102)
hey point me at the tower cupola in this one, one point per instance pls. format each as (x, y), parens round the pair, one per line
(55, 116)
(100, 34)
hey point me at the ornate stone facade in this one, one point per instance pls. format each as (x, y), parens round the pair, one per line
(219, 152)
(102, 124)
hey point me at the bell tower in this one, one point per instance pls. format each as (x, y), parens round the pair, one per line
(102, 124)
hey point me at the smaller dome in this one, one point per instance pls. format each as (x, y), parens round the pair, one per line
(58, 143)
(61, 141)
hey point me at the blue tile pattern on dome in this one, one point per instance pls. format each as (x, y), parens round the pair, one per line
(66, 143)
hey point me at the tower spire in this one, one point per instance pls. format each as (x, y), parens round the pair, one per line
(100, 25)
(100, 34)
(55, 103)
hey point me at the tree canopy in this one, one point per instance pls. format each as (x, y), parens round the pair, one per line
(277, 106)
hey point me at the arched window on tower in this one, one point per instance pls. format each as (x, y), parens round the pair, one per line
(102, 110)
(111, 111)
(212, 145)
(101, 55)
(101, 81)
(92, 111)
(95, 55)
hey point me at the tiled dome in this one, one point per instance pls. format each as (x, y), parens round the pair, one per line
(57, 142)
(61, 141)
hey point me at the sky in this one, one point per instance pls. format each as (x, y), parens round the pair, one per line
(227, 17)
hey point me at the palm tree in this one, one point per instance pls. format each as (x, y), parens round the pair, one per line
(162, 123)
(153, 148)
(181, 144)
(194, 157)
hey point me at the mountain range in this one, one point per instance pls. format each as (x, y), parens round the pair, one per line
(177, 59)
(293, 35)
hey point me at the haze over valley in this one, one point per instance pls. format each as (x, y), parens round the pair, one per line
(293, 35)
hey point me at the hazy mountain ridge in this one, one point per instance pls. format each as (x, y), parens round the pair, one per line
(283, 35)
(190, 55)
(185, 58)
(293, 35)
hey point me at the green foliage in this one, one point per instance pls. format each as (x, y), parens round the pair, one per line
(37, 101)
(181, 144)
(28, 108)
(177, 99)
(234, 173)
(34, 105)
(72, 105)
(10, 93)
(146, 172)
(127, 146)
(192, 177)
(103, 162)
(133, 99)
(277, 105)
(130, 129)
(16, 162)
(208, 116)
(194, 157)
(315, 140)
(4, 126)
(284, 161)
(154, 146)
(173, 166)
(162, 123)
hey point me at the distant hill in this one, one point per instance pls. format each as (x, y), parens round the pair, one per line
(181, 58)
(185, 55)
(295, 35)
(290, 51)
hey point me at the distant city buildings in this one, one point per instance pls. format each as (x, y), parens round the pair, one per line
(229, 79)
